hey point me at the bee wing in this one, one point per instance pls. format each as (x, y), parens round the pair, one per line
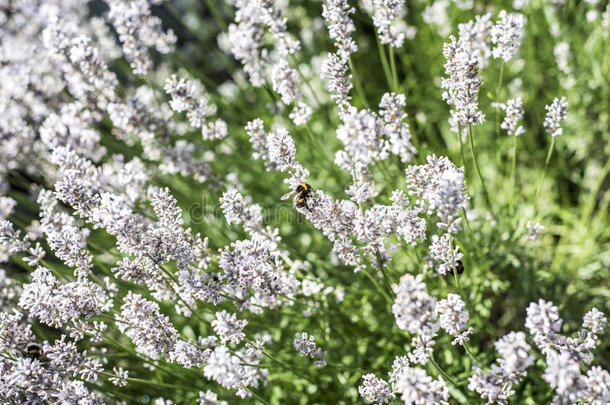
(287, 195)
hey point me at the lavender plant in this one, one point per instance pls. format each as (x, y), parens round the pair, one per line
(147, 254)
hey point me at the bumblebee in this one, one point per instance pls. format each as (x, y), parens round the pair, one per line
(302, 193)
(33, 350)
(459, 267)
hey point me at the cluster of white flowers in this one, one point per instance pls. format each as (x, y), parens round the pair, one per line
(496, 385)
(228, 327)
(230, 370)
(375, 390)
(335, 71)
(514, 114)
(367, 138)
(416, 387)
(187, 95)
(453, 316)
(414, 308)
(285, 82)
(306, 345)
(386, 12)
(506, 34)
(336, 14)
(54, 303)
(440, 187)
(534, 230)
(246, 39)
(462, 85)
(444, 254)
(555, 114)
(566, 356)
(88, 77)
(59, 375)
(139, 30)
(477, 32)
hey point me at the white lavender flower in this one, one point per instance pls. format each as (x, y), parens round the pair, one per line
(228, 327)
(282, 150)
(258, 138)
(375, 390)
(227, 370)
(282, 153)
(543, 318)
(452, 314)
(306, 345)
(445, 254)
(273, 17)
(441, 185)
(496, 385)
(462, 85)
(543, 322)
(237, 211)
(417, 387)
(478, 33)
(285, 82)
(335, 71)
(513, 355)
(151, 332)
(254, 266)
(121, 376)
(209, 398)
(245, 37)
(138, 30)
(187, 95)
(340, 27)
(556, 113)
(596, 384)
(212, 131)
(395, 129)
(595, 321)
(301, 113)
(422, 347)
(534, 230)
(63, 355)
(413, 308)
(563, 375)
(386, 11)
(514, 114)
(14, 332)
(507, 34)
(55, 304)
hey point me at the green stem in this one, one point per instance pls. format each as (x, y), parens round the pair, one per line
(357, 83)
(393, 68)
(497, 97)
(549, 153)
(461, 144)
(590, 204)
(378, 287)
(258, 398)
(442, 372)
(384, 63)
(216, 14)
(546, 163)
(513, 173)
(307, 82)
(476, 163)
(142, 381)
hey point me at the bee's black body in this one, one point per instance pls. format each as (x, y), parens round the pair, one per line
(459, 267)
(303, 192)
(33, 350)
